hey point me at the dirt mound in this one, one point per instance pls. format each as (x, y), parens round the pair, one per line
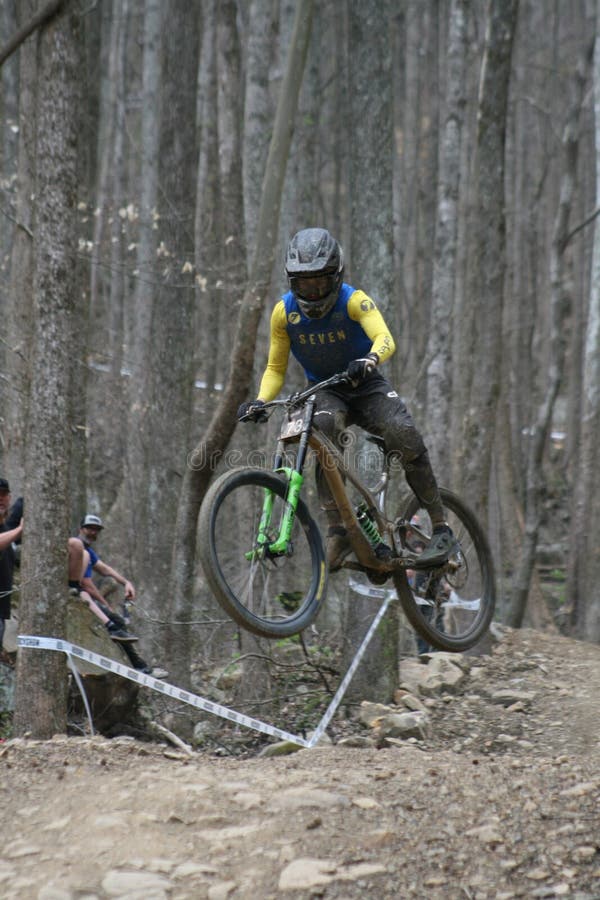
(500, 800)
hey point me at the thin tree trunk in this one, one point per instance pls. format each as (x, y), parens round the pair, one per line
(560, 307)
(584, 567)
(207, 221)
(410, 150)
(99, 448)
(9, 149)
(128, 512)
(257, 112)
(106, 127)
(19, 322)
(439, 347)
(201, 462)
(170, 376)
(232, 247)
(371, 262)
(41, 693)
(486, 263)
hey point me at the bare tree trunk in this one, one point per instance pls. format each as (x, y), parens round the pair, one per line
(129, 511)
(40, 702)
(9, 148)
(486, 262)
(439, 346)
(257, 112)
(232, 248)
(584, 555)
(410, 150)
(170, 377)
(163, 357)
(234, 265)
(372, 267)
(106, 127)
(207, 222)
(201, 461)
(99, 451)
(302, 198)
(19, 322)
(561, 305)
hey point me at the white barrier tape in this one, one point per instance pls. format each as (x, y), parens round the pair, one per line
(224, 712)
(375, 593)
(162, 687)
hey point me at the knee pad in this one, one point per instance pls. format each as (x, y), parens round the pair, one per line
(330, 423)
(407, 444)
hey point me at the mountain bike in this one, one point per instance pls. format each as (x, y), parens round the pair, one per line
(263, 554)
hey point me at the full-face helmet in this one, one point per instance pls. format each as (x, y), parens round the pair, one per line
(314, 264)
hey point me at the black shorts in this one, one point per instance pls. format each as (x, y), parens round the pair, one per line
(376, 407)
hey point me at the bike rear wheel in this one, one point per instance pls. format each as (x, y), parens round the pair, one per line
(450, 607)
(271, 596)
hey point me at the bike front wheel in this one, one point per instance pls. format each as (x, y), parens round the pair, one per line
(449, 607)
(271, 595)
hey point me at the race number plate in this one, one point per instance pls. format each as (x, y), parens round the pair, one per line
(291, 429)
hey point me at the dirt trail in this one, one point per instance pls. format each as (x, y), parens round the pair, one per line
(500, 801)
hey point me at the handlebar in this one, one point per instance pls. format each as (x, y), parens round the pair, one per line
(299, 397)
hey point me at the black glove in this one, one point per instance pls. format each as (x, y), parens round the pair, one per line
(359, 369)
(252, 411)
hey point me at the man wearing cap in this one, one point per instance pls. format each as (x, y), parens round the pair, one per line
(89, 530)
(7, 554)
(80, 552)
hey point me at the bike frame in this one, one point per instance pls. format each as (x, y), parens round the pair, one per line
(306, 434)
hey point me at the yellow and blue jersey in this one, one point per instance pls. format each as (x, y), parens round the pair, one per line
(351, 329)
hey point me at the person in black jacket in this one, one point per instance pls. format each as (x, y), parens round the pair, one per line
(9, 533)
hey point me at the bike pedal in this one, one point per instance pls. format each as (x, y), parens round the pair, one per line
(409, 558)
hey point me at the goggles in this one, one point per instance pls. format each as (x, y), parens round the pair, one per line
(315, 287)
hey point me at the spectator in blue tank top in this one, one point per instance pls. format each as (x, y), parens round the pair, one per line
(83, 558)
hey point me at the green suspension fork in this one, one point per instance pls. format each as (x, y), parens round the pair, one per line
(295, 480)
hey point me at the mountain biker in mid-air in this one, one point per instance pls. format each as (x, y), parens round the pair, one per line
(331, 327)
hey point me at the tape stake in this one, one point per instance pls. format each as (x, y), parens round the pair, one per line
(329, 712)
(79, 684)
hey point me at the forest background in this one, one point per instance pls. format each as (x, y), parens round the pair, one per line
(156, 156)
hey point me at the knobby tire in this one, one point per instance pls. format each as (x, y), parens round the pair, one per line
(231, 576)
(481, 622)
